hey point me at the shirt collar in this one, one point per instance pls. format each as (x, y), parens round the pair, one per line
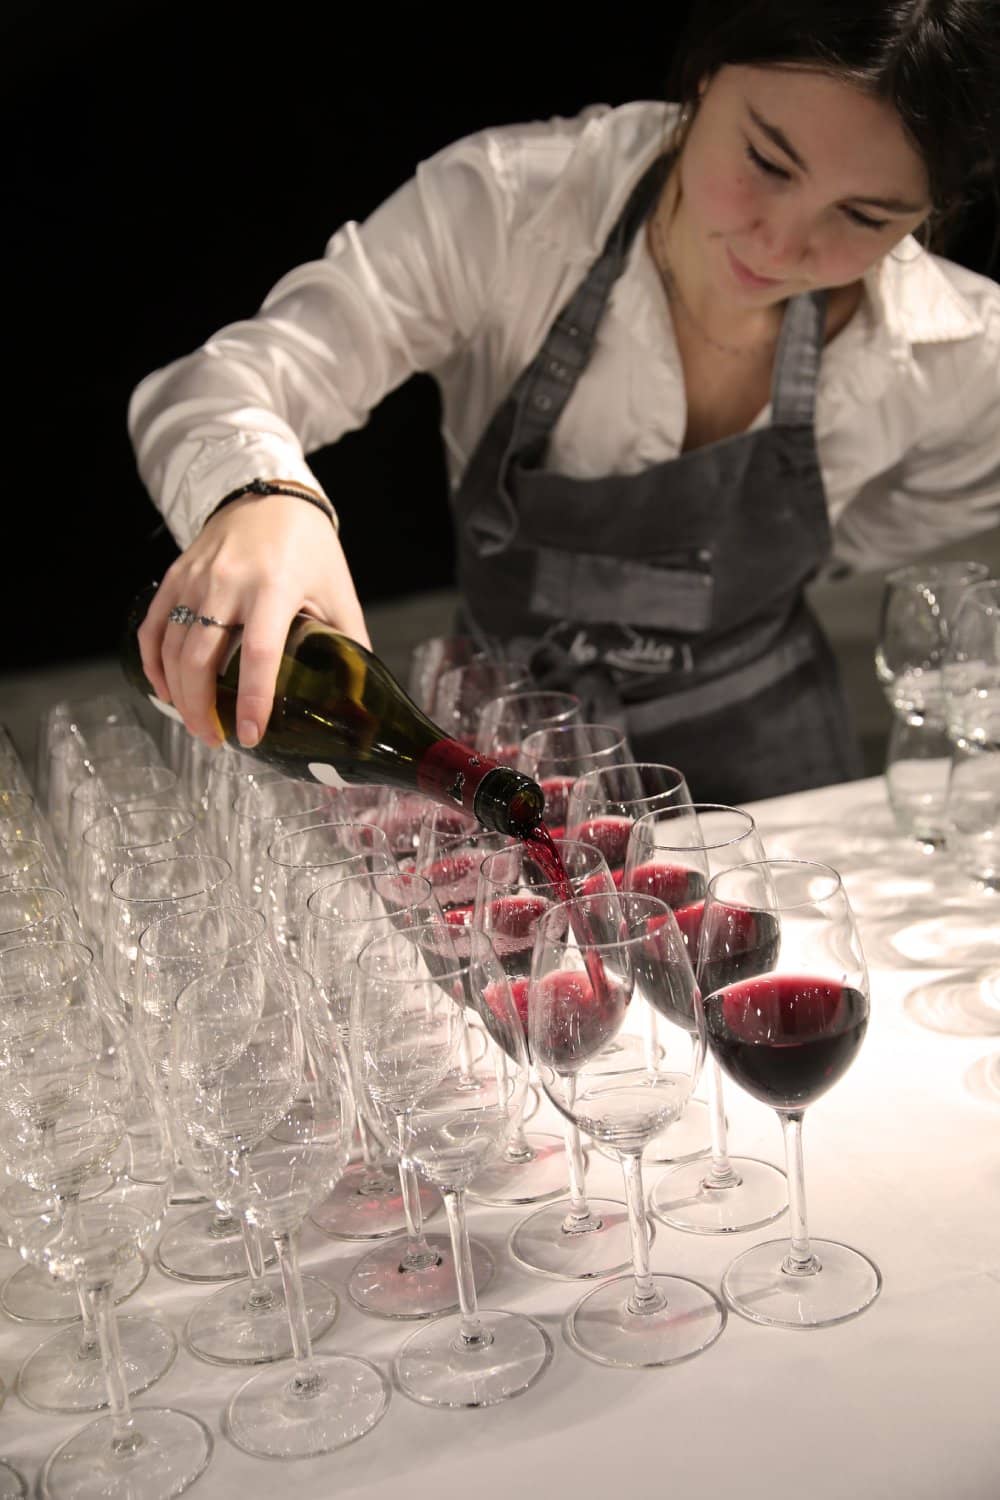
(912, 298)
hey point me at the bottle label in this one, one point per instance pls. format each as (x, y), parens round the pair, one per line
(328, 775)
(165, 708)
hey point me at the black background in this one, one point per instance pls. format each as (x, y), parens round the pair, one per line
(166, 163)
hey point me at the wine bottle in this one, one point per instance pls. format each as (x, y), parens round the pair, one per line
(340, 716)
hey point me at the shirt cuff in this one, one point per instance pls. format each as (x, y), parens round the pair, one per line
(222, 467)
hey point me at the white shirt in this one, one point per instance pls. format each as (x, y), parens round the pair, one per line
(462, 272)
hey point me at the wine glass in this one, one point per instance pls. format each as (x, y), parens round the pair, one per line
(65, 1372)
(506, 720)
(36, 913)
(300, 861)
(20, 818)
(147, 893)
(27, 862)
(74, 717)
(917, 608)
(252, 1051)
(408, 1016)
(262, 812)
(415, 1278)
(599, 961)
(87, 1159)
(970, 672)
(603, 806)
(785, 990)
(229, 773)
(431, 657)
(462, 692)
(582, 1237)
(117, 789)
(76, 756)
(604, 803)
(556, 757)
(672, 854)
(206, 1245)
(119, 840)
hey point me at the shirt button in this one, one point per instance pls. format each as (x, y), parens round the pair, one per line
(543, 402)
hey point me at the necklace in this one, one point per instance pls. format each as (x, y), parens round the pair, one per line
(675, 296)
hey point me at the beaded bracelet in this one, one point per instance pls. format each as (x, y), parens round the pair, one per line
(278, 487)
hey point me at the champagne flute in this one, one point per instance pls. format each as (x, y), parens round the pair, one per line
(672, 854)
(785, 989)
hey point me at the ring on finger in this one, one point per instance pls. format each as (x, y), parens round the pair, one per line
(211, 620)
(182, 614)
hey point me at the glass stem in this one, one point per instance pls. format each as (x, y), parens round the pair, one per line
(307, 1380)
(125, 1440)
(720, 1174)
(374, 1180)
(418, 1255)
(260, 1295)
(472, 1334)
(579, 1219)
(89, 1346)
(516, 1149)
(800, 1261)
(645, 1298)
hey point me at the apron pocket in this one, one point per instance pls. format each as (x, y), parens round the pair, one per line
(591, 589)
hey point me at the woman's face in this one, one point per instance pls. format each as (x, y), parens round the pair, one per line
(793, 180)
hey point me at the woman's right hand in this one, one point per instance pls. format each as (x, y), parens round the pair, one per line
(255, 564)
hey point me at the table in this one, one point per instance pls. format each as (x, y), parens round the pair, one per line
(902, 1160)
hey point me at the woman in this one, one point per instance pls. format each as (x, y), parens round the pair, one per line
(688, 355)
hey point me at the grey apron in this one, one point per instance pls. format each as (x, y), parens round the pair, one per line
(671, 600)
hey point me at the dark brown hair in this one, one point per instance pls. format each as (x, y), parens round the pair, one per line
(936, 61)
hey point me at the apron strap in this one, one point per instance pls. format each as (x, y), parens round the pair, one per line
(796, 361)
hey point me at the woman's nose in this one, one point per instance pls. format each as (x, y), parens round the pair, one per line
(784, 239)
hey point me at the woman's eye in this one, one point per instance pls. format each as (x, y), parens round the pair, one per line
(764, 165)
(865, 220)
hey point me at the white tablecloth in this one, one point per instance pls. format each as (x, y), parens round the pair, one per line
(902, 1160)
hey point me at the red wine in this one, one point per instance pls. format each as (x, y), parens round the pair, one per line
(557, 790)
(786, 1038)
(511, 921)
(738, 943)
(581, 1018)
(610, 834)
(339, 716)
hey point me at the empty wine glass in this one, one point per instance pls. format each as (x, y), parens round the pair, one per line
(36, 913)
(413, 1278)
(506, 720)
(65, 1372)
(463, 692)
(581, 1237)
(970, 673)
(672, 854)
(917, 609)
(252, 1052)
(600, 960)
(431, 657)
(408, 1016)
(206, 1245)
(147, 893)
(116, 790)
(229, 773)
(262, 812)
(78, 1104)
(300, 861)
(120, 840)
(79, 756)
(27, 862)
(785, 989)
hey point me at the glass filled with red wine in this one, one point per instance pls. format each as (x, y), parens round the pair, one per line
(576, 1237)
(672, 854)
(558, 756)
(610, 968)
(785, 993)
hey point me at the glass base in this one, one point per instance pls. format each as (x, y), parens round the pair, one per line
(31, 1295)
(436, 1368)
(184, 1189)
(686, 1140)
(351, 1214)
(267, 1419)
(543, 1176)
(382, 1284)
(13, 1485)
(601, 1326)
(56, 1378)
(758, 1287)
(225, 1329)
(174, 1450)
(685, 1198)
(195, 1251)
(541, 1243)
